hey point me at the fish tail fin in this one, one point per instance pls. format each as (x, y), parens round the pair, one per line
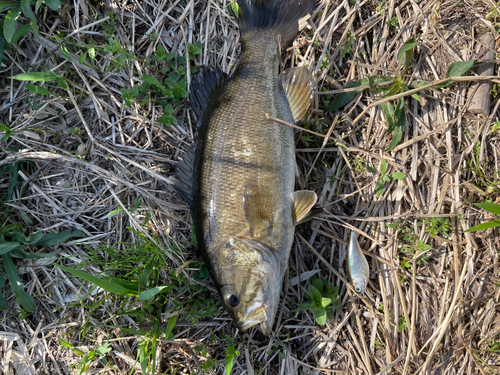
(281, 16)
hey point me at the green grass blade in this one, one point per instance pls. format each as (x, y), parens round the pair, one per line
(107, 285)
(8, 247)
(26, 301)
(483, 226)
(3, 301)
(7, 4)
(490, 207)
(459, 68)
(36, 76)
(51, 239)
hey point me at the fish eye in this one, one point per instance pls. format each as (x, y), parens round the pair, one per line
(232, 300)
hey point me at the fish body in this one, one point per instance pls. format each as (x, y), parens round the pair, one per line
(243, 176)
(357, 265)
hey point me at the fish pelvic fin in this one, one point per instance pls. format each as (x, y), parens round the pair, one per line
(255, 203)
(298, 84)
(281, 16)
(303, 202)
(205, 89)
(185, 176)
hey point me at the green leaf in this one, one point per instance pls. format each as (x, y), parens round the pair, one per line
(321, 316)
(91, 52)
(26, 301)
(487, 225)
(170, 325)
(51, 239)
(53, 4)
(235, 8)
(66, 54)
(388, 111)
(146, 272)
(399, 124)
(108, 286)
(398, 175)
(344, 98)
(379, 187)
(7, 131)
(28, 13)
(229, 363)
(7, 4)
(20, 32)
(9, 25)
(383, 166)
(68, 345)
(82, 58)
(306, 305)
(38, 4)
(114, 212)
(152, 80)
(490, 207)
(150, 293)
(36, 76)
(37, 89)
(325, 302)
(7, 247)
(314, 293)
(459, 68)
(409, 45)
(372, 170)
(3, 301)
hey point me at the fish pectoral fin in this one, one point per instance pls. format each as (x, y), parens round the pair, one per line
(303, 202)
(255, 203)
(297, 83)
(184, 176)
(205, 89)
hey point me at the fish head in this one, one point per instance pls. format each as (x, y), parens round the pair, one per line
(249, 276)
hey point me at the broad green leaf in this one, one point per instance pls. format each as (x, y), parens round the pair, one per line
(28, 13)
(235, 8)
(314, 293)
(344, 98)
(26, 301)
(398, 175)
(7, 4)
(20, 32)
(408, 46)
(147, 294)
(36, 76)
(487, 225)
(386, 178)
(38, 4)
(7, 247)
(53, 4)
(229, 363)
(388, 111)
(3, 301)
(37, 89)
(490, 207)
(416, 84)
(318, 284)
(321, 316)
(459, 68)
(325, 302)
(383, 166)
(103, 349)
(108, 286)
(146, 272)
(9, 25)
(170, 325)
(379, 187)
(132, 286)
(399, 125)
(51, 239)
(82, 58)
(306, 305)
(152, 81)
(7, 131)
(372, 170)
(416, 97)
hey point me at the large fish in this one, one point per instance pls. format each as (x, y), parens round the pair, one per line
(239, 180)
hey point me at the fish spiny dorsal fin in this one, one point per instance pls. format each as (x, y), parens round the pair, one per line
(255, 203)
(185, 177)
(205, 89)
(297, 83)
(303, 201)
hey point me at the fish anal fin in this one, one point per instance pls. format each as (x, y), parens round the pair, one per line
(297, 83)
(303, 202)
(185, 176)
(205, 88)
(255, 204)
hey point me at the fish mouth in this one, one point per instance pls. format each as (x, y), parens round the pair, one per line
(254, 317)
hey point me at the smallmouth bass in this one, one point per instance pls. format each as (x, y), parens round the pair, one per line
(239, 180)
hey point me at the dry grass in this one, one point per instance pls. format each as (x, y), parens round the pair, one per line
(450, 304)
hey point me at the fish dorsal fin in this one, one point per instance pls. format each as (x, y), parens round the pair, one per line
(255, 204)
(206, 88)
(303, 201)
(297, 83)
(185, 176)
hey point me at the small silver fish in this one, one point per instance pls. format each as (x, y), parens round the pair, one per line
(357, 265)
